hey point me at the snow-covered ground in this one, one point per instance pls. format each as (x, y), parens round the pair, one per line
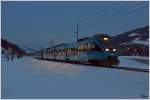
(31, 78)
(128, 61)
(138, 41)
(134, 57)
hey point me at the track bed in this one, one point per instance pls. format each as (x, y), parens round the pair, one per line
(114, 67)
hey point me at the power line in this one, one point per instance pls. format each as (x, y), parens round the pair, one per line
(105, 11)
(124, 14)
(109, 11)
(114, 16)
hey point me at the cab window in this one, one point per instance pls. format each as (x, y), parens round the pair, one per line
(95, 47)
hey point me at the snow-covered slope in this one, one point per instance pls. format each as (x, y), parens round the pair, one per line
(134, 36)
(128, 61)
(138, 41)
(133, 57)
(134, 42)
(11, 48)
(31, 78)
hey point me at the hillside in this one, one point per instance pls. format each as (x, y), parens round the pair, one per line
(134, 42)
(9, 50)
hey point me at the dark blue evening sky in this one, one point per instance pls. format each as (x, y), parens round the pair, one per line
(34, 24)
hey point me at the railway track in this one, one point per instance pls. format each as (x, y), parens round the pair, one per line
(132, 69)
(121, 67)
(112, 67)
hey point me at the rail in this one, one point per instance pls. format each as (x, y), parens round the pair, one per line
(114, 67)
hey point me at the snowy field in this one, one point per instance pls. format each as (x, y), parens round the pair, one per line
(31, 78)
(128, 61)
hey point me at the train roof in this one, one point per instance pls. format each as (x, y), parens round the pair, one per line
(101, 35)
(73, 45)
(83, 39)
(60, 45)
(96, 35)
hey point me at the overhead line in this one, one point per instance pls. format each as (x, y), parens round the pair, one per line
(107, 12)
(112, 18)
(125, 14)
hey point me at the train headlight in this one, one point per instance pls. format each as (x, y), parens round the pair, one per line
(114, 49)
(106, 49)
(105, 39)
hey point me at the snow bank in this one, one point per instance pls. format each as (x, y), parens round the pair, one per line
(30, 78)
(138, 41)
(135, 57)
(128, 62)
(133, 34)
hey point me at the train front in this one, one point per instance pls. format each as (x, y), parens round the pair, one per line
(110, 50)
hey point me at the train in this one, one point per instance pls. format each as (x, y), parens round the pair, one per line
(99, 49)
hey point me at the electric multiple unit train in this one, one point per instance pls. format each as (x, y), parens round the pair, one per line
(97, 50)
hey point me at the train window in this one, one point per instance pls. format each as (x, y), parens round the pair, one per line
(98, 48)
(92, 47)
(95, 47)
(69, 52)
(59, 53)
(72, 51)
(84, 47)
(76, 50)
(89, 46)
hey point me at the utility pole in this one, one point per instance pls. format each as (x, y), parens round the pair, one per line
(77, 32)
(41, 52)
(51, 43)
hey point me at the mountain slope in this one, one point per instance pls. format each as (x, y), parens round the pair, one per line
(134, 36)
(12, 49)
(134, 42)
